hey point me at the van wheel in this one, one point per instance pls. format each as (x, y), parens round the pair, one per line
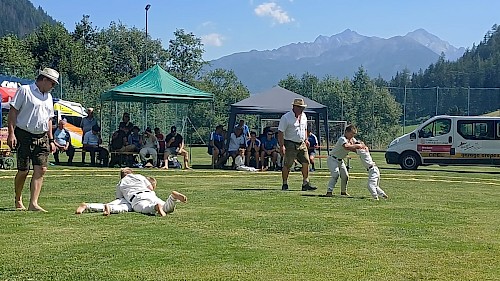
(409, 161)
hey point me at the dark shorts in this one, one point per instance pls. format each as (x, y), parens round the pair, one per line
(312, 152)
(31, 147)
(295, 151)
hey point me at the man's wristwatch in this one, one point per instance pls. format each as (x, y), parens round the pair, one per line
(51, 140)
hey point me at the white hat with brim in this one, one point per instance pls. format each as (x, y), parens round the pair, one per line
(299, 102)
(51, 74)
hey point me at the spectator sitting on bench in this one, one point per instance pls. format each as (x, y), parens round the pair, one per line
(126, 122)
(269, 148)
(175, 146)
(62, 141)
(91, 143)
(161, 140)
(253, 149)
(216, 147)
(135, 139)
(149, 144)
(86, 124)
(236, 141)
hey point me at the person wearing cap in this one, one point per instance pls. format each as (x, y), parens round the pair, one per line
(292, 143)
(30, 132)
(62, 141)
(175, 146)
(149, 144)
(91, 143)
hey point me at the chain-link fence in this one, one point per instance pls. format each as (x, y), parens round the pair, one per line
(419, 104)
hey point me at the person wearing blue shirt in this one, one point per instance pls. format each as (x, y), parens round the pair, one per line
(216, 148)
(244, 127)
(253, 149)
(269, 148)
(311, 149)
(62, 140)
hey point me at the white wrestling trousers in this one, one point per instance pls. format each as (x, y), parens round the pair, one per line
(246, 168)
(154, 154)
(373, 182)
(337, 168)
(145, 203)
(116, 206)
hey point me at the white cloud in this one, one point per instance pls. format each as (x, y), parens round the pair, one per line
(274, 11)
(208, 24)
(212, 39)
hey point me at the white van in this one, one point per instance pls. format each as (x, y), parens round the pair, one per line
(448, 140)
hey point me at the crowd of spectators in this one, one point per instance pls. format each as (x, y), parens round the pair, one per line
(257, 151)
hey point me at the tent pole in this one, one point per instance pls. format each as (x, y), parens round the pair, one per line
(144, 115)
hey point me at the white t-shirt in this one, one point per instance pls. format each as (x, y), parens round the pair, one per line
(365, 157)
(338, 150)
(294, 129)
(239, 161)
(236, 142)
(132, 184)
(35, 109)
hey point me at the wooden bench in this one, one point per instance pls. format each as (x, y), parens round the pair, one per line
(122, 155)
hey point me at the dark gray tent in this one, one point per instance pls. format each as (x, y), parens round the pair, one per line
(278, 100)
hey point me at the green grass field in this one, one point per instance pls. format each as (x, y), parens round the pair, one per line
(440, 223)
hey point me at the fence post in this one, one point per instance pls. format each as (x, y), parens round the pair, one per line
(437, 99)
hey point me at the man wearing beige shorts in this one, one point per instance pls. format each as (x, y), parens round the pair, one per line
(292, 142)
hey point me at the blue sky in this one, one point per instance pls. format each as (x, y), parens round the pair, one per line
(230, 26)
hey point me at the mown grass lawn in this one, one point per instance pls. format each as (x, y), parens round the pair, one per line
(440, 223)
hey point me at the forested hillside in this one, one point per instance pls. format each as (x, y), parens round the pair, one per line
(468, 86)
(20, 17)
(478, 67)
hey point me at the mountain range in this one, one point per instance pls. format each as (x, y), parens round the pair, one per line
(339, 55)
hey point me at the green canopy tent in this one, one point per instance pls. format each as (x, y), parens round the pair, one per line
(155, 85)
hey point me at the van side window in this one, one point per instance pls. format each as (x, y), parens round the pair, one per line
(477, 129)
(498, 130)
(437, 128)
(443, 127)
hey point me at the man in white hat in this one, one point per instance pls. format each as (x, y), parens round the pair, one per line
(30, 132)
(292, 142)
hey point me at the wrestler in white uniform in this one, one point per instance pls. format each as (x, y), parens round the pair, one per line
(373, 173)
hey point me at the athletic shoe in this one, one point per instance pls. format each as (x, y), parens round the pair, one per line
(329, 194)
(385, 196)
(284, 187)
(308, 186)
(345, 194)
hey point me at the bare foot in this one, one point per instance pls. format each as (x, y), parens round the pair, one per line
(107, 210)
(187, 168)
(165, 167)
(20, 205)
(81, 209)
(179, 196)
(36, 209)
(159, 210)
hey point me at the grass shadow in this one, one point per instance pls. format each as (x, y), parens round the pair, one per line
(335, 196)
